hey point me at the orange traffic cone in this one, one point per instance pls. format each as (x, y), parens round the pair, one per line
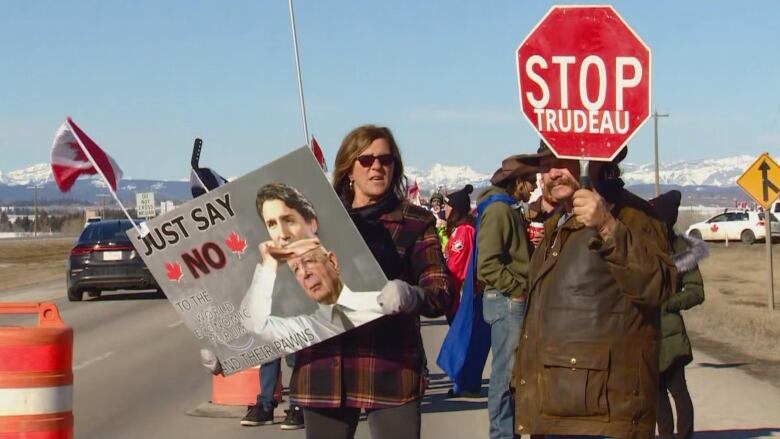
(230, 395)
(36, 375)
(240, 388)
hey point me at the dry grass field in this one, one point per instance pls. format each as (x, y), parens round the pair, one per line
(25, 263)
(734, 320)
(734, 317)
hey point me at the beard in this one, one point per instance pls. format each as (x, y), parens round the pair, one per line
(563, 181)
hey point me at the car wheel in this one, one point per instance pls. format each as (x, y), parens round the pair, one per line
(94, 293)
(695, 234)
(75, 294)
(748, 237)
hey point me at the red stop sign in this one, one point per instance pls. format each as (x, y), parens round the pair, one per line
(584, 79)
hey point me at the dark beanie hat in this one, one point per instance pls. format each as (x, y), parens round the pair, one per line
(667, 205)
(460, 200)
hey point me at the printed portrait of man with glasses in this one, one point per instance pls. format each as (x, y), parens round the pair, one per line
(292, 226)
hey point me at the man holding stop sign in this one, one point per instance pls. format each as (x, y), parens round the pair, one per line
(587, 364)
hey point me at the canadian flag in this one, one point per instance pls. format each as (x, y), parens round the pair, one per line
(413, 193)
(315, 148)
(74, 154)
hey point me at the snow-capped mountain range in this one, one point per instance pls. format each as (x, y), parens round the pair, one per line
(452, 177)
(31, 175)
(714, 173)
(707, 172)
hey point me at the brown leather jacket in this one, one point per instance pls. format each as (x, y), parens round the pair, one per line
(588, 357)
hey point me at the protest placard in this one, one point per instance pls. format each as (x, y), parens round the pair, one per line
(265, 265)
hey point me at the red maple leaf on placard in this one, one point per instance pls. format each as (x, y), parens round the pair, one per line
(714, 228)
(236, 244)
(173, 269)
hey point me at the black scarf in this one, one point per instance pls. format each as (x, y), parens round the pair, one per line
(374, 233)
(372, 212)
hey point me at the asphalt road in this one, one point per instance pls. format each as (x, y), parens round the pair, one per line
(137, 374)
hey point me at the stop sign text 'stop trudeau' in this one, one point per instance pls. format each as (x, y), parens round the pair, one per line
(584, 79)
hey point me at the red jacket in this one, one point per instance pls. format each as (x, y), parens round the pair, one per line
(458, 254)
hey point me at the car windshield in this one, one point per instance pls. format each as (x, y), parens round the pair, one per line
(105, 231)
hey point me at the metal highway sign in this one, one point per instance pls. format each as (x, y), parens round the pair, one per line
(762, 180)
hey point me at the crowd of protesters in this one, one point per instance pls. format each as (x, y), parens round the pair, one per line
(582, 314)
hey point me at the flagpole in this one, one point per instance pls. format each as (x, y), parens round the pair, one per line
(298, 72)
(108, 183)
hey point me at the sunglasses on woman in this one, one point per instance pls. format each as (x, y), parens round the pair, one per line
(367, 160)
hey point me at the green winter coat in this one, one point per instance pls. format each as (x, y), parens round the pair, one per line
(503, 248)
(675, 345)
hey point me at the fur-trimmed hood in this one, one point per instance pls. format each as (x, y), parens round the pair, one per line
(689, 259)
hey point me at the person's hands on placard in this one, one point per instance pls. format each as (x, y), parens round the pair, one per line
(266, 257)
(398, 297)
(591, 209)
(271, 254)
(295, 249)
(210, 362)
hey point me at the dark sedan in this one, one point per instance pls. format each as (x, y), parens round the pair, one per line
(104, 259)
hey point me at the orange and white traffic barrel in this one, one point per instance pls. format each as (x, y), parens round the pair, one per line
(240, 388)
(36, 376)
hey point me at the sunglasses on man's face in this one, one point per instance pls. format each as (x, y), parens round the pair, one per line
(367, 160)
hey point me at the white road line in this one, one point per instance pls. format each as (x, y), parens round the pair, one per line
(175, 324)
(93, 360)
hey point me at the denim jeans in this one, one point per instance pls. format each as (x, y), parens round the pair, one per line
(269, 374)
(505, 317)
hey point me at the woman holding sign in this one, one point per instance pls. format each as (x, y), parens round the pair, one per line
(379, 366)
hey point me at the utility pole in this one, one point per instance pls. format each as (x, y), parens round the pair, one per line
(103, 205)
(35, 187)
(656, 115)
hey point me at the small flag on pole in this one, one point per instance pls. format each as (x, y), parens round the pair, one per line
(204, 180)
(74, 154)
(413, 193)
(315, 148)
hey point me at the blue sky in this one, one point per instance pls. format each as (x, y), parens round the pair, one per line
(144, 78)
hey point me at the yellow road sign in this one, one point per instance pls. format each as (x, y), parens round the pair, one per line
(762, 180)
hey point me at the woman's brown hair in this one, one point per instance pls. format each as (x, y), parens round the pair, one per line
(457, 218)
(356, 142)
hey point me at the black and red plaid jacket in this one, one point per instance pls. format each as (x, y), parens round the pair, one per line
(380, 364)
